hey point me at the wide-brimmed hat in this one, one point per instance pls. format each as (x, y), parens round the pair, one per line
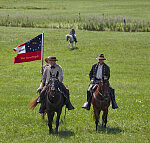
(51, 58)
(101, 57)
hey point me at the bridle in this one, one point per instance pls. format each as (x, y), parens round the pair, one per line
(104, 94)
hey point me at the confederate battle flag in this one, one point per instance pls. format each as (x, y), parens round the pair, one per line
(30, 51)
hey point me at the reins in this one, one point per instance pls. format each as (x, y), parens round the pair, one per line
(105, 98)
(54, 104)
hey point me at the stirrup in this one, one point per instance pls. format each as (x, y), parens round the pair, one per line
(115, 106)
(70, 107)
(86, 106)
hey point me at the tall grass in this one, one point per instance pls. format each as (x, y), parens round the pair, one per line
(92, 23)
(118, 23)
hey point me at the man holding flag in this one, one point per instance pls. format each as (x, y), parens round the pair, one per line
(33, 50)
(54, 69)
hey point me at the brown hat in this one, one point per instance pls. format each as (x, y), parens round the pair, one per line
(51, 58)
(101, 57)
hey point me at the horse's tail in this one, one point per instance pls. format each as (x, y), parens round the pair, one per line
(33, 103)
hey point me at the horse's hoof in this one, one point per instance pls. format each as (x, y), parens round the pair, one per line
(50, 131)
(56, 131)
(103, 125)
(42, 116)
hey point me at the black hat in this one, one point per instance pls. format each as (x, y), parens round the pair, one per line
(101, 57)
(51, 58)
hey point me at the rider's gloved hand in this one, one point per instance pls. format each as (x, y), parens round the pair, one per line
(39, 90)
(105, 78)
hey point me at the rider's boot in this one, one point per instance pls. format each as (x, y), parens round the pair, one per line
(43, 102)
(67, 101)
(75, 40)
(112, 95)
(87, 104)
(42, 107)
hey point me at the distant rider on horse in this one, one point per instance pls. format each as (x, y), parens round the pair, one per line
(54, 69)
(98, 72)
(72, 32)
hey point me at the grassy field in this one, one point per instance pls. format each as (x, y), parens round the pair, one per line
(127, 55)
(98, 15)
(136, 9)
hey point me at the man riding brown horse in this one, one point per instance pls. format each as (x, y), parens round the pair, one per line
(99, 71)
(55, 70)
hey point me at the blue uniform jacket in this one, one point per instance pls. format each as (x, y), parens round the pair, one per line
(105, 71)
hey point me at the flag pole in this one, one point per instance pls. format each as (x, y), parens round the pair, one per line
(42, 50)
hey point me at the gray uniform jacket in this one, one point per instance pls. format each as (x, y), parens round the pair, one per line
(54, 71)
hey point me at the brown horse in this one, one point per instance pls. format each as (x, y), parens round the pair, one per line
(101, 101)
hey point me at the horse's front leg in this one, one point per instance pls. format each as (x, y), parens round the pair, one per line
(50, 120)
(104, 118)
(57, 120)
(68, 44)
(96, 116)
(75, 44)
(72, 45)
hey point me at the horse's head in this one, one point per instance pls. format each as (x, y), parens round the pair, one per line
(106, 88)
(69, 37)
(106, 85)
(100, 86)
(53, 84)
(53, 93)
(103, 86)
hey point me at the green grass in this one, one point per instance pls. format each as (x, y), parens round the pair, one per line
(136, 8)
(127, 55)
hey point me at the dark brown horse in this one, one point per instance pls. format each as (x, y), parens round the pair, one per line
(101, 101)
(54, 102)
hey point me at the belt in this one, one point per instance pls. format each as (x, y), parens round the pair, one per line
(97, 78)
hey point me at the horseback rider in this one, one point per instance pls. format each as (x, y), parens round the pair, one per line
(72, 32)
(54, 69)
(98, 72)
